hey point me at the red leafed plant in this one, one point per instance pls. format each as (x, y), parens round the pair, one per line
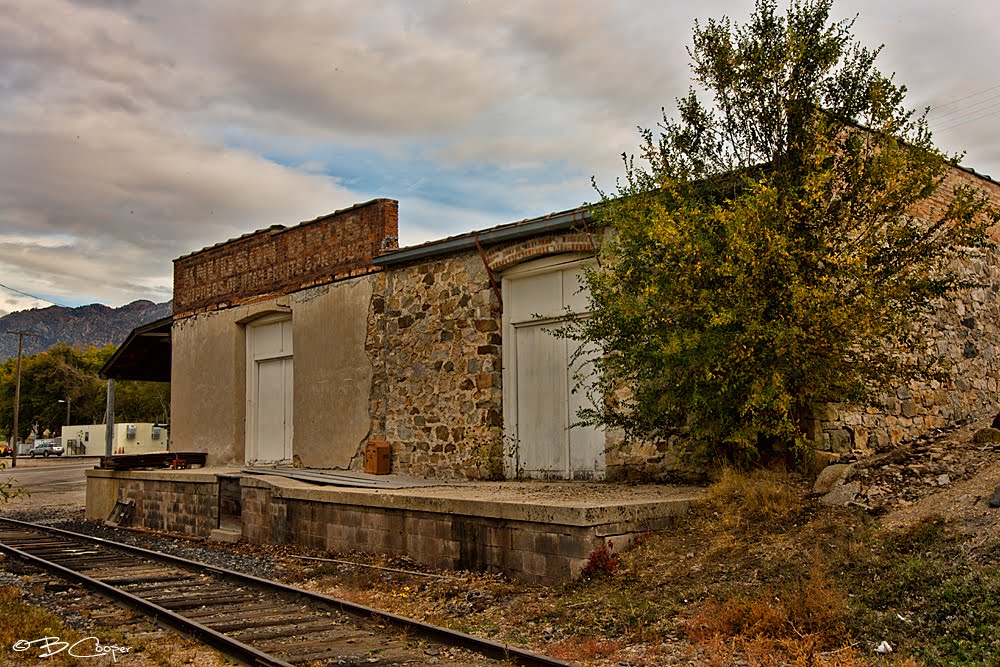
(601, 562)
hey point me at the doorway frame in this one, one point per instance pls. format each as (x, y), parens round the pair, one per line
(511, 441)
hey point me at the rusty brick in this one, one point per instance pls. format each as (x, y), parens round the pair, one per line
(282, 260)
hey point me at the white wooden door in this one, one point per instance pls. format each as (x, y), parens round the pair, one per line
(586, 444)
(274, 410)
(269, 392)
(540, 404)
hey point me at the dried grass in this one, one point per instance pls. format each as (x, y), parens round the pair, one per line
(738, 499)
(21, 621)
(812, 612)
(587, 648)
(762, 652)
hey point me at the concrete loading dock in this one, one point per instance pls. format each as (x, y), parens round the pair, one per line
(540, 532)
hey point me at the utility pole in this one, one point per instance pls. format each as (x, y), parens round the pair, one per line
(109, 420)
(68, 401)
(17, 393)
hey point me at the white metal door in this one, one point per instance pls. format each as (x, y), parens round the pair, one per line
(269, 391)
(540, 404)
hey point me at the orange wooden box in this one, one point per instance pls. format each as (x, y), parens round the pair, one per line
(378, 460)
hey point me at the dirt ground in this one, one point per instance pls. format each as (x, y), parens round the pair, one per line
(964, 503)
(951, 476)
(741, 544)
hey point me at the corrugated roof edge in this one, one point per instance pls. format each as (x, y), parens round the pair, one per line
(553, 222)
(281, 228)
(970, 170)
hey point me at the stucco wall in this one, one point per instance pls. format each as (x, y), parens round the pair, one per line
(208, 375)
(332, 373)
(331, 376)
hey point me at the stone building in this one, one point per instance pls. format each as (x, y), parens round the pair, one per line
(304, 344)
(965, 337)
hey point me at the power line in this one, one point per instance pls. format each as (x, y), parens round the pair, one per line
(960, 99)
(32, 296)
(944, 121)
(961, 111)
(17, 392)
(974, 118)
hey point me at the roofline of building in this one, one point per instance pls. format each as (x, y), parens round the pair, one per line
(973, 172)
(135, 333)
(553, 222)
(280, 229)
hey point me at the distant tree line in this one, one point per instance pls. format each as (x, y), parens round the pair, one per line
(68, 373)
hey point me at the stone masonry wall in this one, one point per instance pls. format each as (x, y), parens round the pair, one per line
(965, 335)
(434, 342)
(281, 260)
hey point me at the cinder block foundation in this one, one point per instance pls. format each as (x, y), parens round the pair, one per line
(508, 528)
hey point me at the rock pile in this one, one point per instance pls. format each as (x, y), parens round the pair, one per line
(911, 471)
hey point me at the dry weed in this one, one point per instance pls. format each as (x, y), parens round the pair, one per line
(738, 499)
(800, 619)
(763, 652)
(21, 621)
(580, 649)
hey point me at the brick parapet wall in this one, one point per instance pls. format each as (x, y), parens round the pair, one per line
(281, 260)
(434, 342)
(934, 206)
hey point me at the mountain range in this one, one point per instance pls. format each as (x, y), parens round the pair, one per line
(96, 325)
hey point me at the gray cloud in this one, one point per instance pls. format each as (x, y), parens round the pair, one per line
(134, 132)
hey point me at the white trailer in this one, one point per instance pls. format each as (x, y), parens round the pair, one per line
(128, 438)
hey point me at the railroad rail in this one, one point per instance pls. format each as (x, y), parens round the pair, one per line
(252, 620)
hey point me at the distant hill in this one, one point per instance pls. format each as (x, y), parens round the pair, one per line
(95, 324)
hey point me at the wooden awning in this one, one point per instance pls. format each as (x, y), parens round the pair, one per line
(145, 354)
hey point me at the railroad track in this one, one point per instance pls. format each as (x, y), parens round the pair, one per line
(252, 620)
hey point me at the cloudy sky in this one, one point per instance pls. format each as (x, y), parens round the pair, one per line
(132, 132)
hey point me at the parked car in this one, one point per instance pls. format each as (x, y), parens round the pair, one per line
(45, 449)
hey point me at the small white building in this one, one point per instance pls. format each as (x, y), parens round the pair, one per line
(89, 439)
